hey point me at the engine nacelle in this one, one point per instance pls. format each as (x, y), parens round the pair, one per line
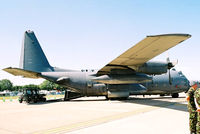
(153, 68)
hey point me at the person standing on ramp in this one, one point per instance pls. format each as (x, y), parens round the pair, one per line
(192, 109)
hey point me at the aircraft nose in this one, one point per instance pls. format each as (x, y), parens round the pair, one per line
(187, 83)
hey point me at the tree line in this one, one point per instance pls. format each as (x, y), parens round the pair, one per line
(6, 84)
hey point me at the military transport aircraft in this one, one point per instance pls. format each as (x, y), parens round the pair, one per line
(131, 73)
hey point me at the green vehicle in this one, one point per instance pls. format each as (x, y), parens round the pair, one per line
(32, 96)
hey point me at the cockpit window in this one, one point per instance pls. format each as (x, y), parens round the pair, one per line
(87, 70)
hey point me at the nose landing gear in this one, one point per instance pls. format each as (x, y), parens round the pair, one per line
(175, 95)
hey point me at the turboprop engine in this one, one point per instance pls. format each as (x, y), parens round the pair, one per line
(153, 68)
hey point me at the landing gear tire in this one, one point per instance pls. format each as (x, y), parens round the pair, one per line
(44, 99)
(27, 101)
(66, 99)
(117, 98)
(20, 101)
(175, 95)
(123, 98)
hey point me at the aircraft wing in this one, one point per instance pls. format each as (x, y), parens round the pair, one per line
(144, 51)
(21, 72)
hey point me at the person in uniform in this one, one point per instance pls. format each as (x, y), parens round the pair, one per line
(192, 109)
(197, 103)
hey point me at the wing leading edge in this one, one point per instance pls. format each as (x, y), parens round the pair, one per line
(144, 51)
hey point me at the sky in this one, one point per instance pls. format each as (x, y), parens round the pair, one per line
(88, 34)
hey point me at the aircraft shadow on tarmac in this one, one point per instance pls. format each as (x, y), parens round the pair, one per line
(162, 102)
(47, 102)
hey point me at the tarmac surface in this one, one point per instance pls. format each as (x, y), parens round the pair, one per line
(88, 115)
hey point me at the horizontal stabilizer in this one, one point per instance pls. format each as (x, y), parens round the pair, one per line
(21, 72)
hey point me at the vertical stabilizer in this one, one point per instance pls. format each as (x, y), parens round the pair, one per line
(32, 57)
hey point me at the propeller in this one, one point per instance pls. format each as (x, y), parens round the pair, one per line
(169, 66)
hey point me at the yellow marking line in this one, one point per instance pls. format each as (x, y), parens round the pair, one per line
(181, 104)
(84, 124)
(9, 97)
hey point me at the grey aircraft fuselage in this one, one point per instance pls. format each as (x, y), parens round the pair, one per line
(131, 73)
(83, 83)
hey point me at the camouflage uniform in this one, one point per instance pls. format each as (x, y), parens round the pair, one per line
(197, 101)
(192, 110)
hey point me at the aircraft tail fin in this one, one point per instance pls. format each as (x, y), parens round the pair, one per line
(32, 56)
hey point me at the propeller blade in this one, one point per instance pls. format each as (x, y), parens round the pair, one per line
(170, 79)
(168, 60)
(171, 64)
(175, 62)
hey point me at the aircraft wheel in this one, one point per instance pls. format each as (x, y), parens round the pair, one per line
(35, 101)
(117, 98)
(44, 99)
(27, 101)
(20, 101)
(123, 98)
(175, 95)
(107, 97)
(66, 99)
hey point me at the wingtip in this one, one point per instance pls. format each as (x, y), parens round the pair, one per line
(174, 34)
(6, 68)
